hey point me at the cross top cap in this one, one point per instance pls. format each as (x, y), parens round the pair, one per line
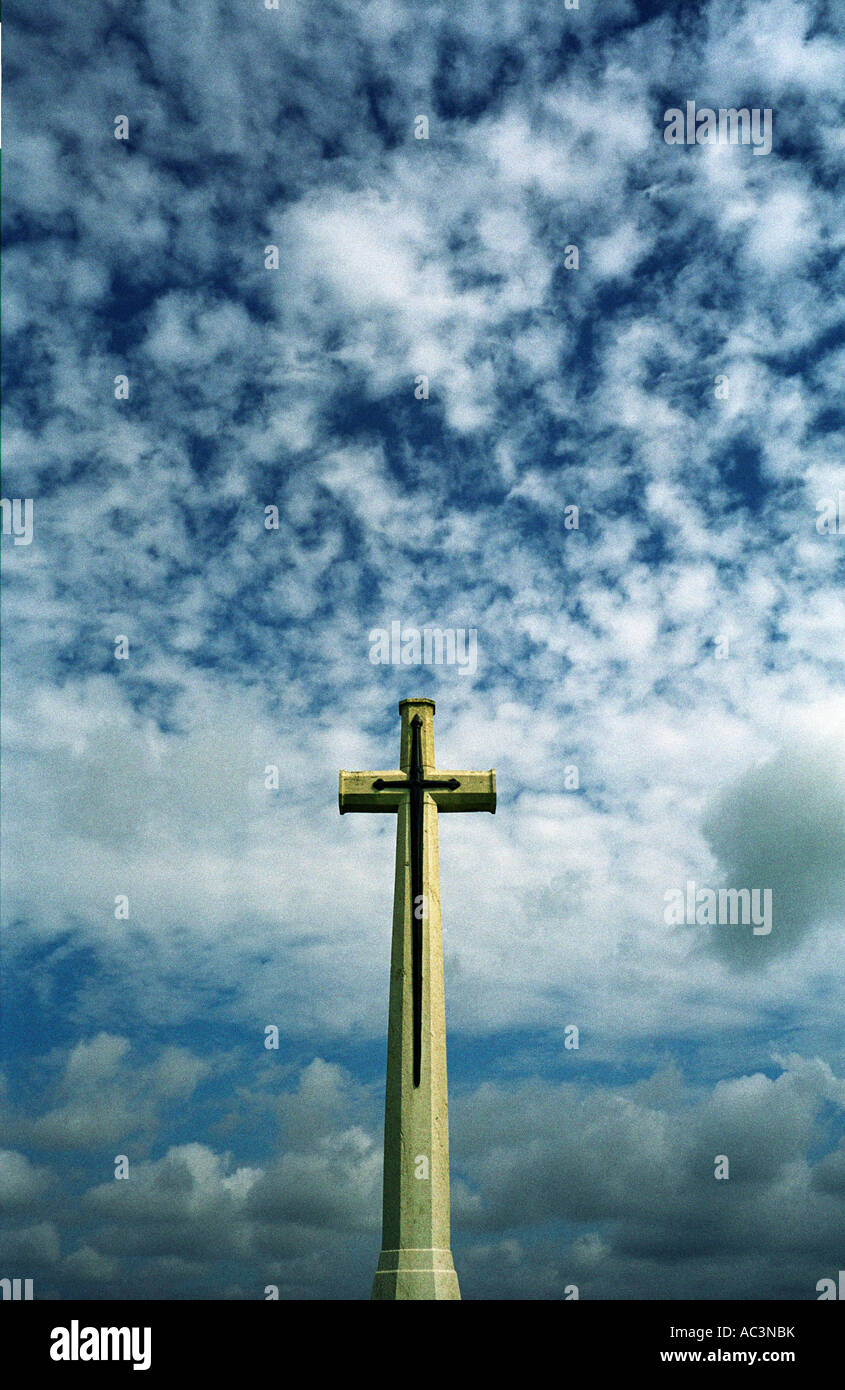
(422, 700)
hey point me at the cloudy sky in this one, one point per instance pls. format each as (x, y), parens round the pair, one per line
(683, 647)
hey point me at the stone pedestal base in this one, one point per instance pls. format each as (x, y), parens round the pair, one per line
(415, 1274)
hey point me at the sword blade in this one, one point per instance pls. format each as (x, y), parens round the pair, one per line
(416, 799)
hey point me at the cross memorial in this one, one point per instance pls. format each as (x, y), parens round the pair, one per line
(416, 1257)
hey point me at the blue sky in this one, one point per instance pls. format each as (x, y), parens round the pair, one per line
(682, 647)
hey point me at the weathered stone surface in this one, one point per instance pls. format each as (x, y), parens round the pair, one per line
(416, 1261)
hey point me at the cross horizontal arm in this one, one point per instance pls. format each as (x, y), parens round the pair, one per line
(476, 791)
(383, 791)
(355, 791)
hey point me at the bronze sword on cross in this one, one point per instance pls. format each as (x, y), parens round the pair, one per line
(416, 784)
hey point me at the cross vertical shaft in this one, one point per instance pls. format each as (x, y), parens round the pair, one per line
(416, 1210)
(416, 1260)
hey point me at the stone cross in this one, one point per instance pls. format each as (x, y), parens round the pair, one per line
(416, 1258)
